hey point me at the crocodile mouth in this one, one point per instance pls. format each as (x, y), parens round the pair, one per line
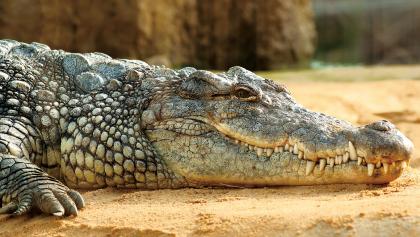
(344, 156)
(381, 167)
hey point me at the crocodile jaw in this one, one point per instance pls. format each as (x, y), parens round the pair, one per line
(224, 162)
(209, 153)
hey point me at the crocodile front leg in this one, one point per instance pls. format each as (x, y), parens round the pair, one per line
(23, 185)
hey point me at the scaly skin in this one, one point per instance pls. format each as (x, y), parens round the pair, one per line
(91, 121)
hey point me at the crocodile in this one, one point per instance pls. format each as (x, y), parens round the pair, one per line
(73, 121)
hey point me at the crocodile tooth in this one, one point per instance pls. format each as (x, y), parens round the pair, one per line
(269, 152)
(352, 151)
(386, 167)
(403, 164)
(290, 149)
(251, 147)
(371, 167)
(259, 151)
(378, 164)
(338, 160)
(295, 149)
(286, 147)
(331, 162)
(322, 164)
(278, 149)
(236, 141)
(346, 157)
(300, 155)
(359, 160)
(309, 167)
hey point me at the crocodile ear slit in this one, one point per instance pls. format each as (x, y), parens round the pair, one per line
(206, 84)
(193, 87)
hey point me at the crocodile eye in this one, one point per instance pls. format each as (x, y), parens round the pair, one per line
(245, 94)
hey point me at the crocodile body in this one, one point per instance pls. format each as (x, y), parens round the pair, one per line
(71, 120)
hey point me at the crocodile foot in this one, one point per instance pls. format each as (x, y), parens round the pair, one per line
(50, 196)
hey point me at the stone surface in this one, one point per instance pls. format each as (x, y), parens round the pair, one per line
(260, 34)
(209, 34)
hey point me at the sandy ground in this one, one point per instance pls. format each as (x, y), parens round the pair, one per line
(339, 210)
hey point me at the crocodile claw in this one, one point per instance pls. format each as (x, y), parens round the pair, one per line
(52, 198)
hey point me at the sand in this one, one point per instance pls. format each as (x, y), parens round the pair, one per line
(340, 210)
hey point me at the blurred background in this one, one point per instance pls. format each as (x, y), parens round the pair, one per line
(217, 34)
(367, 32)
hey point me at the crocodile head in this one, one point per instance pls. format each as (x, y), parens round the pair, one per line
(236, 128)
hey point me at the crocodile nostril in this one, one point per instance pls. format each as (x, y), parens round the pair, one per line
(382, 125)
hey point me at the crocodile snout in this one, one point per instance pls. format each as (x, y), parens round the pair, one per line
(382, 142)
